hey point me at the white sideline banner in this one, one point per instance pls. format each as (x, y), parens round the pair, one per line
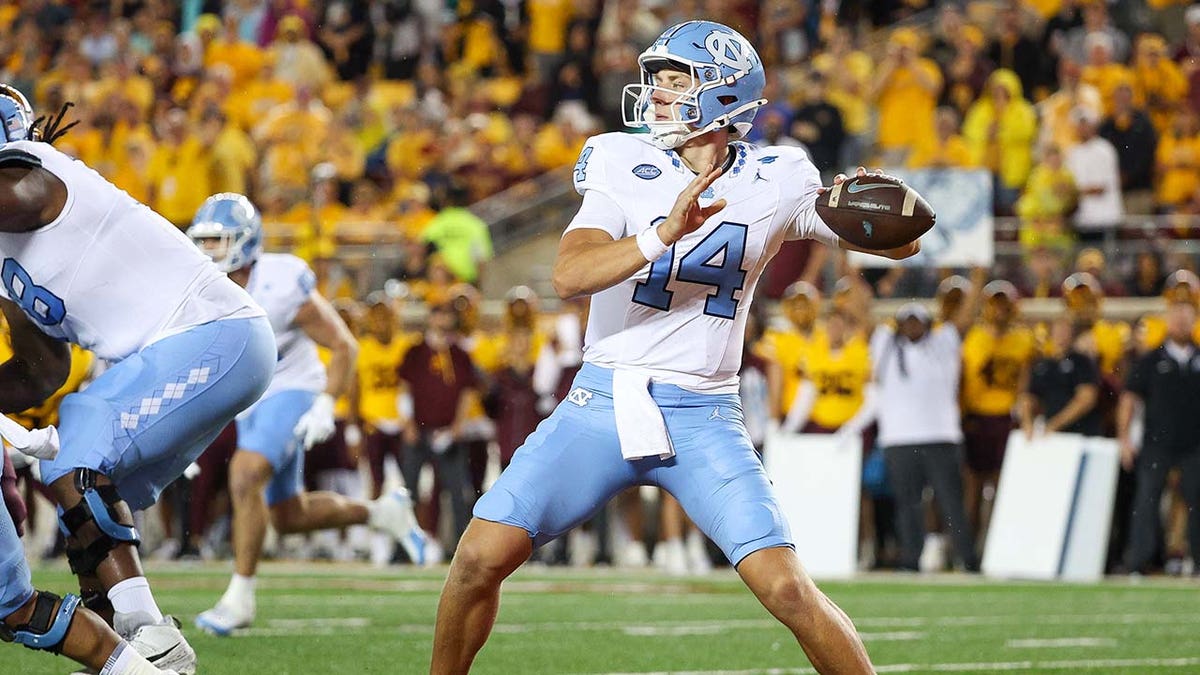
(1033, 506)
(818, 486)
(1091, 521)
(1053, 508)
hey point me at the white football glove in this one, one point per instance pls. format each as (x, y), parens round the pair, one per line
(40, 443)
(316, 425)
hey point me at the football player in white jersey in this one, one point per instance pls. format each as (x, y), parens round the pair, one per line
(83, 262)
(675, 228)
(266, 474)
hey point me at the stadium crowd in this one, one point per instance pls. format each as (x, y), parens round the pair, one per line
(361, 122)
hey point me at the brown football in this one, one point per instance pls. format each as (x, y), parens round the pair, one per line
(875, 212)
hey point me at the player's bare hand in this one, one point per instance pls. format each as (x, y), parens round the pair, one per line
(687, 215)
(901, 252)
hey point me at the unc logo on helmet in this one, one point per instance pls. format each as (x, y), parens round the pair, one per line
(228, 228)
(725, 90)
(729, 50)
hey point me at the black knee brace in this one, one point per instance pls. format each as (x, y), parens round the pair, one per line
(46, 629)
(95, 507)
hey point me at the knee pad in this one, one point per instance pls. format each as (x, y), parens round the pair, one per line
(95, 507)
(47, 628)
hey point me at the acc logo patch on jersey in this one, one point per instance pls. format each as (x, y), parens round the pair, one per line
(647, 171)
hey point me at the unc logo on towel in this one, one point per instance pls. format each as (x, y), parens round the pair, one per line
(647, 171)
(729, 50)
(579, 396)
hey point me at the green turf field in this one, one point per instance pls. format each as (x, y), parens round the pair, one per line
(344, 619)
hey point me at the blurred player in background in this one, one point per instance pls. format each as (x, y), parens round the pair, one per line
(656, 400)
(786, 346)
(84, 263)
(997, 354)
(266, 473)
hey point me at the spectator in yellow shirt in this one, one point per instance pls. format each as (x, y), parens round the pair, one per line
(905, 90)
(949, 150)
(179, 171)
(1048, 197)
(234, 155)
(1159, 83)
(847, 72)
(228, 49)
(560, 142)
(1058, 127)
(1178, 161)
(547, 33)
(1101, 71)
(298, 60)
(1001, 128)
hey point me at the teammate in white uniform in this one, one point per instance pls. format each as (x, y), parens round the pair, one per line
(83, 262)
(266, 474)
(674, 231)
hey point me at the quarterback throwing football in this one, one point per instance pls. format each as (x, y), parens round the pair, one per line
(674, 231)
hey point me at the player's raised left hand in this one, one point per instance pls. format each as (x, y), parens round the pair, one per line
(687, 215)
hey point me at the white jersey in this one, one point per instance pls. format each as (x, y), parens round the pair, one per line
(682, 319)
(282, 283)
(109, 274)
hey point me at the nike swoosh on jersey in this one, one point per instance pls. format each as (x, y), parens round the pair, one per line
(855, 188)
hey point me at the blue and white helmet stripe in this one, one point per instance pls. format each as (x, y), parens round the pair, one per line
(727, 76)
(16, 116)
(231, 219)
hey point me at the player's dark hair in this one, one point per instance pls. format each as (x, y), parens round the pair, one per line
(51, 128)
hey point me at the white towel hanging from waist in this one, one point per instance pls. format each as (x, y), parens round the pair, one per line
(640, 425)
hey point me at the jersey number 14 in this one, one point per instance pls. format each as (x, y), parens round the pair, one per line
(716, 261)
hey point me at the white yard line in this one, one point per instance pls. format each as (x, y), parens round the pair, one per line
(1078, 664)
(1047, 643)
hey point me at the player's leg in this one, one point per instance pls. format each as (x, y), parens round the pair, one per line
(720, 482)
(1189, 488)
(943, 465)
(908, 482)
(823, 630)
(566, 470)
(487, 554)
(1145, 522)
(131, 433)
(44, 622)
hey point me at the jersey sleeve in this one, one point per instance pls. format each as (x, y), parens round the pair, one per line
(592, 177)
(600, 212)
(800, 198)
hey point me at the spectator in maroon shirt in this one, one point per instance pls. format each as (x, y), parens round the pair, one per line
(513, 401)
(444, 385)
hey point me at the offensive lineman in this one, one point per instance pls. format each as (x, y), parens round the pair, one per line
(83, 262)
(674, 230)
(266, 474)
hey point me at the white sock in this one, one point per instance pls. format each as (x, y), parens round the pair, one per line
(126, 661)
(240, 591)
(133, 595)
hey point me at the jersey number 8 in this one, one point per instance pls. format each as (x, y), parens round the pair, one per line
(716, 261)
(40, 304)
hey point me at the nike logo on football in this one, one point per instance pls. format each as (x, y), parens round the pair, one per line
(855, 188)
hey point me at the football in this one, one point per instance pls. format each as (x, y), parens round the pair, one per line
(875, 212)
